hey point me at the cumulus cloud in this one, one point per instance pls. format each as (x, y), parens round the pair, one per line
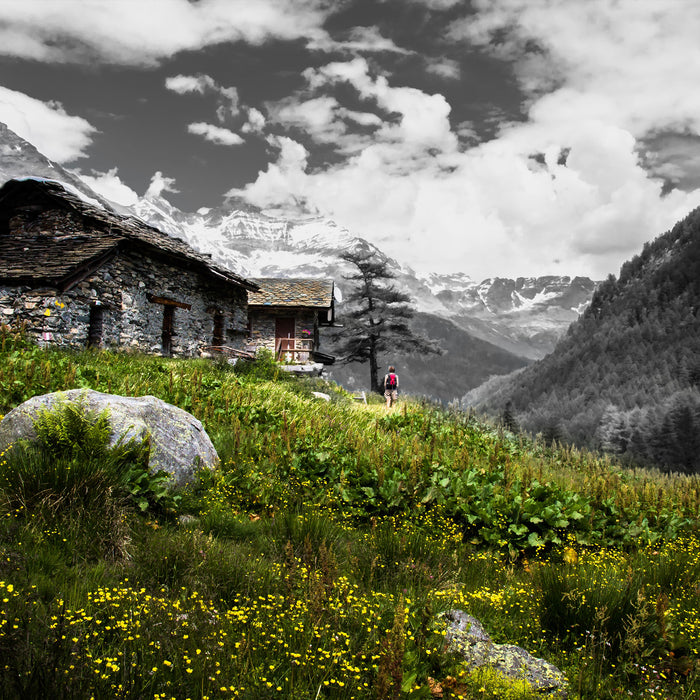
(183, 84)
(110, 186)
(485, 212)
(215, 134)
(274, 189)
(408, 123)
(318, 116)
(160, 183)
(255, 122)
(414, 120)
(490, 210)
(609, 105)
(203, 84)
(133, 32)
(57, 134)
(622, 61)
(607, 84)
(366, 119)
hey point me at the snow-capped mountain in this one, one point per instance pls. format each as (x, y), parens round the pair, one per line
(525, 316)
(19, 158)
(251, 243)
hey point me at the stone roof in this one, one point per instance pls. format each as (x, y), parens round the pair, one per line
(54, 257)
(301, 292)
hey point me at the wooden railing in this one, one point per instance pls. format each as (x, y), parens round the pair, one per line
(229, 352)
(280, 352)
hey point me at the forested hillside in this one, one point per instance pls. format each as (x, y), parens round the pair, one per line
(626, 377)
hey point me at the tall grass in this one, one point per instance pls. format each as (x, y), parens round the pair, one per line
(316, 561)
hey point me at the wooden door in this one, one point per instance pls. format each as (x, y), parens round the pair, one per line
(284, 335)
(218, 338)
(167, 337)
(96, 325)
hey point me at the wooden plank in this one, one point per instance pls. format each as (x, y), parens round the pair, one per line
(168, 302)
(226, 350)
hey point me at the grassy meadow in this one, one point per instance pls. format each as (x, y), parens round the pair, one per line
(316, 561)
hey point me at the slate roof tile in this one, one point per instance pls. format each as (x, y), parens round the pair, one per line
(304, 292)
(53, 256)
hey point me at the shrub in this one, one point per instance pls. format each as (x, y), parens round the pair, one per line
(71, 478)
(263, 367)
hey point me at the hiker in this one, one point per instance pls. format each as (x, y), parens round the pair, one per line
(391, 387)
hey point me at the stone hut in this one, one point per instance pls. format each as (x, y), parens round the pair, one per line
(80, 274)
(286, 314)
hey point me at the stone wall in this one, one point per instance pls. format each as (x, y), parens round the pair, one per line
(262, 327)
(122, 288)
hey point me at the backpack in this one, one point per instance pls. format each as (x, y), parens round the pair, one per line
(391, 382)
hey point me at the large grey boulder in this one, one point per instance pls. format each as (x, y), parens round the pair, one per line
(466, 637)
(179, 443)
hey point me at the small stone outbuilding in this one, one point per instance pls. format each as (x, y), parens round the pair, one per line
(79, 274)
(286, 314)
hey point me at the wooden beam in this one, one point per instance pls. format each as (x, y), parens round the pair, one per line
(168, 302)
(85, 270)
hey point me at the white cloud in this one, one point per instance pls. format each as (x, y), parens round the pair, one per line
(57, 134)
(485, 211)
(609, 76)
(160, 183)
(355, 72)
(147, 32)
(202, 84)
(629, 62)
(183, 84)
(215, 134)
(255, 123)
(367, 119)
(110, 186)
(275, 189)
(445, 68)
(414, 124)
(423, 120)
(359, 40)
(435, 4)
(487, 214)
(438, 4)
(318, 116)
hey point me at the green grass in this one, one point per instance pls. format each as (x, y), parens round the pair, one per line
(315, 561)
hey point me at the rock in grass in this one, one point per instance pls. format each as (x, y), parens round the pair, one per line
(179, 443)
(467, 638)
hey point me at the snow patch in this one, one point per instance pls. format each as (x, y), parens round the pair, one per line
(68, 188)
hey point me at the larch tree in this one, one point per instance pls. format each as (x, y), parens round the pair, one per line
(376, 316)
